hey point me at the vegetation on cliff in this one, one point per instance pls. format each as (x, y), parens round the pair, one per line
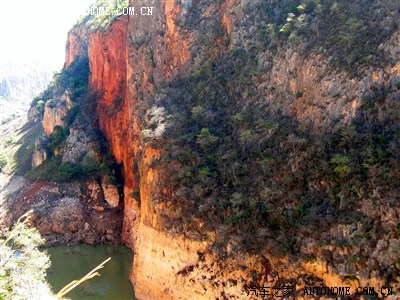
(350, 33)
(244, 167)
(73, 81)
(75, 78)
(262, 173)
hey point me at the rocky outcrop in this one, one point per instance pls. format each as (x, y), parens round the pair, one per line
(55, 112)
(34, 114)
(110, 190)
(94, 190)
(40, 151)
(76, 44)
(54, 115)
(79, 147)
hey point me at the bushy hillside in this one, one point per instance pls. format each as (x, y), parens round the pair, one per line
(259, 160)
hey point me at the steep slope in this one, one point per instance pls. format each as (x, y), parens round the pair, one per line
(257, 141)
(252, 141)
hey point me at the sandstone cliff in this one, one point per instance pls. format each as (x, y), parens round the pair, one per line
(54, 115)
(257, 142)
(76, 44)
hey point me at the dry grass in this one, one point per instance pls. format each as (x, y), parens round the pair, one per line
(73, 284)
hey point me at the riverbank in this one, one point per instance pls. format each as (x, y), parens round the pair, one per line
(64, 213)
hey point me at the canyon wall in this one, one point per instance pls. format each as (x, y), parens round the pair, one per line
(76, 45)
(107, 53)
(138, 60)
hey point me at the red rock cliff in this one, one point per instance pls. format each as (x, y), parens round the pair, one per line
(76, 44)
(107, 58)
(123, 70)
(128, 61)
(125, 61)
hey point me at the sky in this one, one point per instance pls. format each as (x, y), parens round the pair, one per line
(36, 30)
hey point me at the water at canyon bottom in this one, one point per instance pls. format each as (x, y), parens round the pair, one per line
(73, 262)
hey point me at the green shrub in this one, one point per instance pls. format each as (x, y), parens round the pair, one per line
(198, 111)
(3, 161)
(47, 170)
(67, 172)
(92, 168)
(10, 140)
(206, 139)
(73, 113)
(22, 265)
(74, 79)
(348, 134)
(57, 137)
(205, 171)
(341, 164)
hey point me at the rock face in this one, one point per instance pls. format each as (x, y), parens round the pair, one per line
(34, 114)
(107, 53)
(139, 60)
(78, 147)
(40, 151)
(55, 112)
(76, 44)
(111, 193)
(107, 59)
(123, 81)
(54, 115)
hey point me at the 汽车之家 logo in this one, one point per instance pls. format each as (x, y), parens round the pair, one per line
(289, 291)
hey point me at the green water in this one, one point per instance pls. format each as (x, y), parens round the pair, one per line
(73, 262)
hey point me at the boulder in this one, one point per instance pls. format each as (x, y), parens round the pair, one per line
(40, 151)
(111, 194)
